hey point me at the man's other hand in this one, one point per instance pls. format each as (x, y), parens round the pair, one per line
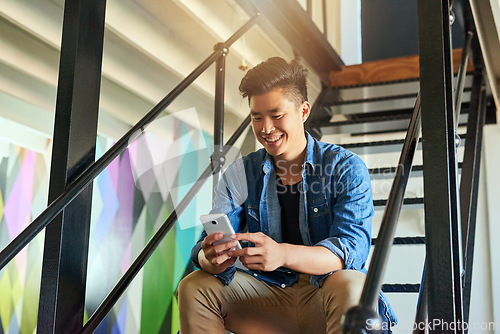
(267, 255)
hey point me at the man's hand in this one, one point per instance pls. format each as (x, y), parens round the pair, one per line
(267, 255)
(215, 258)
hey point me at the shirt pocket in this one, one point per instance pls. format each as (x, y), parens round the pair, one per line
(253, 221)
(319, 208)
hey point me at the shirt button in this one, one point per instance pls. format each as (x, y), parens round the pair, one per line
(315, 210)
(283, 286)
(255, 275)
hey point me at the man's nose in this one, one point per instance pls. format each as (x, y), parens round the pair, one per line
(268, 126)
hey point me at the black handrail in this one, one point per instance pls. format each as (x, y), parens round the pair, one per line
(84, 179)
(392, 211)
(139, 262)
(356, 317)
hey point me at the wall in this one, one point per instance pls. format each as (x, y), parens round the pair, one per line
(491, 228)
(132, 198)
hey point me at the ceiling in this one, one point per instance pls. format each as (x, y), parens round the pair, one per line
(149, 47)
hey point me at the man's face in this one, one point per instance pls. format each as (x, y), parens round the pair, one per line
(278, 123)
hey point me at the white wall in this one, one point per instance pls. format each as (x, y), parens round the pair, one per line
(350, 31)
(491, 231)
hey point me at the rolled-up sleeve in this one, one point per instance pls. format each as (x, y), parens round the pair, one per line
(350, 232)
(230, 194)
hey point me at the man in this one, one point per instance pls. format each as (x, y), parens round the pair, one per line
(308, 212)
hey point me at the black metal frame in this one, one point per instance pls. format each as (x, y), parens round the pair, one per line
(443, 243)
(65, 252)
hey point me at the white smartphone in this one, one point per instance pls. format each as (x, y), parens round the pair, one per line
(219, 223)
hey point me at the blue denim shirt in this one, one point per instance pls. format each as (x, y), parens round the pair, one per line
(336, 209)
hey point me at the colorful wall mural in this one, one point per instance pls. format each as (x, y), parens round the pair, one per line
(132, 198)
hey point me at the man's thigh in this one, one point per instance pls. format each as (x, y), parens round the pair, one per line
(248, 305)
(258, 307)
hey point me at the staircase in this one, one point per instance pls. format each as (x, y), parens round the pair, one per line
(369, 115)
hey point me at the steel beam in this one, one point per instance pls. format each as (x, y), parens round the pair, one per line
(440, 167)
(64, 271)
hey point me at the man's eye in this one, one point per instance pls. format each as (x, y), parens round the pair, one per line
(256, 119)
(277, 116)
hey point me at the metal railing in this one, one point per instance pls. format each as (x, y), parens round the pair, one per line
(82, 181)
(356, 318)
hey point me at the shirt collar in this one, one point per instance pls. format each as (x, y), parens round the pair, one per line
(309, 159)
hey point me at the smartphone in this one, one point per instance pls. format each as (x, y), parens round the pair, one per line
(219, 223)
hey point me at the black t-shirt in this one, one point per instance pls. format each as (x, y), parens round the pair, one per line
(289, 197)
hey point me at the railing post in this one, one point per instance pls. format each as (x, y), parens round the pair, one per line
(220, 77)
(64, 271)
(443, 243)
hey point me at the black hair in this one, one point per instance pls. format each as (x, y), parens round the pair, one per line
(276, 73)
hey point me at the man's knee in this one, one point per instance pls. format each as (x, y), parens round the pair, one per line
(345, 285)
(196, 282)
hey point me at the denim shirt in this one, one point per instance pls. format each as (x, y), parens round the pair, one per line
(335, 212)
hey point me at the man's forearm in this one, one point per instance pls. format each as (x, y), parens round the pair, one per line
(314, 260)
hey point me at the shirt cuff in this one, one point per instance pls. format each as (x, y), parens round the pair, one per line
(337, 247)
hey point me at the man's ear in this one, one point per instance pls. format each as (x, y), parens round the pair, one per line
(305, 110)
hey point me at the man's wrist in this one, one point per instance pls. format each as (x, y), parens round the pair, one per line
(286, 251)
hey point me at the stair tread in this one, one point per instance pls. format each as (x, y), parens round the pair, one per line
(405, 241)
(380, 116)
(389, 170)
(407, 201)
(384, 70)
(371, 119)
(374, 143)
(342, 102)
(404, 287)
(372, 99)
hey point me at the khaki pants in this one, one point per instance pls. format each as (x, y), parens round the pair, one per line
(249, 306)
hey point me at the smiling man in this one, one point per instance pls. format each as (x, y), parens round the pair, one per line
(308, 212)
